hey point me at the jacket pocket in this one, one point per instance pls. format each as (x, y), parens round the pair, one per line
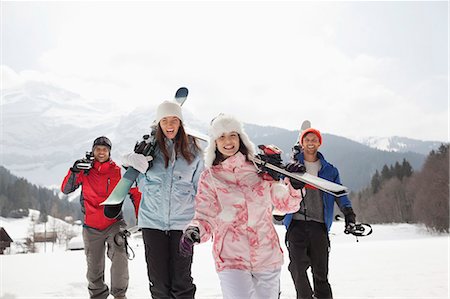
(183, 197)
(219, 238)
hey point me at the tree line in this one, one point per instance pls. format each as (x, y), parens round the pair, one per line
(399, 195)
(396, 194)
(17, 195)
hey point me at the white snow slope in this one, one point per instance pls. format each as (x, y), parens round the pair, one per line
(396, 261)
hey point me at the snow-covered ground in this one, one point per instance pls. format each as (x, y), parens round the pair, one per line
(19, 229)
(396, 261)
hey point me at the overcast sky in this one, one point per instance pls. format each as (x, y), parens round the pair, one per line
(352, 68)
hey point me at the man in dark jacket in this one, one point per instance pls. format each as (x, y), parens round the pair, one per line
(98, 179)
(307, 229)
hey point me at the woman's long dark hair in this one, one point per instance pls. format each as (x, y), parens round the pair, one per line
(182, 145)
(242, 148)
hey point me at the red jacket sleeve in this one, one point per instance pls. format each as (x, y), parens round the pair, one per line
(71, 182)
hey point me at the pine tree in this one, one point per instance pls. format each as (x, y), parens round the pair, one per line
(397, 170)
(407, 169)
(385, 173)
(375, 182)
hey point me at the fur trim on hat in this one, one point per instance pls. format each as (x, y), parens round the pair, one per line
(311, 130)
(225, 124)
(168, 108)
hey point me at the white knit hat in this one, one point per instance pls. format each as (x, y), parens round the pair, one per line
(168, 108)
(225, 124)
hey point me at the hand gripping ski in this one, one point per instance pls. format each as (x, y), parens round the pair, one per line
(113, 204)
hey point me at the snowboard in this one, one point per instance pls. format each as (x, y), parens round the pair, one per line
(113, 204)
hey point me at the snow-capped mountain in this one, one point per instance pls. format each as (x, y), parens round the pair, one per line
(45, 129)
(400, 144)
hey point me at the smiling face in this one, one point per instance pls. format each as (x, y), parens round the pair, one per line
(310, 143)
(228, 144)
(101, 153)
(169, 126)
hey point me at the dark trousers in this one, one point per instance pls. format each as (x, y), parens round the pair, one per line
(308, 246)
(169, 272)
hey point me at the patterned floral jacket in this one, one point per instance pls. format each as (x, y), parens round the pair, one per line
(234, 206)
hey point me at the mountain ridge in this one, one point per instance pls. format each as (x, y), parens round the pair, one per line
(40, 146)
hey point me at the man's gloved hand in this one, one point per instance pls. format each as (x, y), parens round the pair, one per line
(350, 218)
(295, 167)
(298, 168)
(297, 184)
(279, 217)
(188, 239)
(75, 168)
(137, 161)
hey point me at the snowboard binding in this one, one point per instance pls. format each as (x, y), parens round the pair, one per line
(121, 240)
(359, 230)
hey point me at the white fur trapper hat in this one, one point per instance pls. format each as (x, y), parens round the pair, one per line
(168, 108)
(225, 124)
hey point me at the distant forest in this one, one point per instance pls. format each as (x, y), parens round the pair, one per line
(396, 194)
(17, 195)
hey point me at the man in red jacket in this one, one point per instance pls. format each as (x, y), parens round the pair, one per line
(100, 233)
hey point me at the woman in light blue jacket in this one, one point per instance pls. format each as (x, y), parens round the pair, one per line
(167, 206)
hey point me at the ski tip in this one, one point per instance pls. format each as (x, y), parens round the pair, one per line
(182, 92)
(306, 124)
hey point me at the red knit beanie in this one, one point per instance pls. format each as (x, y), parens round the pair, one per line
(311, 130)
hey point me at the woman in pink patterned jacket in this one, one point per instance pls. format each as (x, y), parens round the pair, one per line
(234, 206)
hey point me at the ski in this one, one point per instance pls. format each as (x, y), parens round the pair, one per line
(317, 182)
(305, 125)
(113, 204)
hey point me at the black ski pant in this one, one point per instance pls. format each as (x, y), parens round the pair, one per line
(169, 273)
(308, 245)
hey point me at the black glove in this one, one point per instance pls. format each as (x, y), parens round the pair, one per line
(271, 154)
(350, 218)
(188, 239)
(279, 217)
(296, 184)
(75, 168)
(295, 167)
(299, 168)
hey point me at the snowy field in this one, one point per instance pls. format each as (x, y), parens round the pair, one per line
(396, 261)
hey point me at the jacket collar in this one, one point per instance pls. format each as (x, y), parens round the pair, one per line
(237, 160)
(103, 167)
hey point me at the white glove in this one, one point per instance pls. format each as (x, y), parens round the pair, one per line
(137, 161)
